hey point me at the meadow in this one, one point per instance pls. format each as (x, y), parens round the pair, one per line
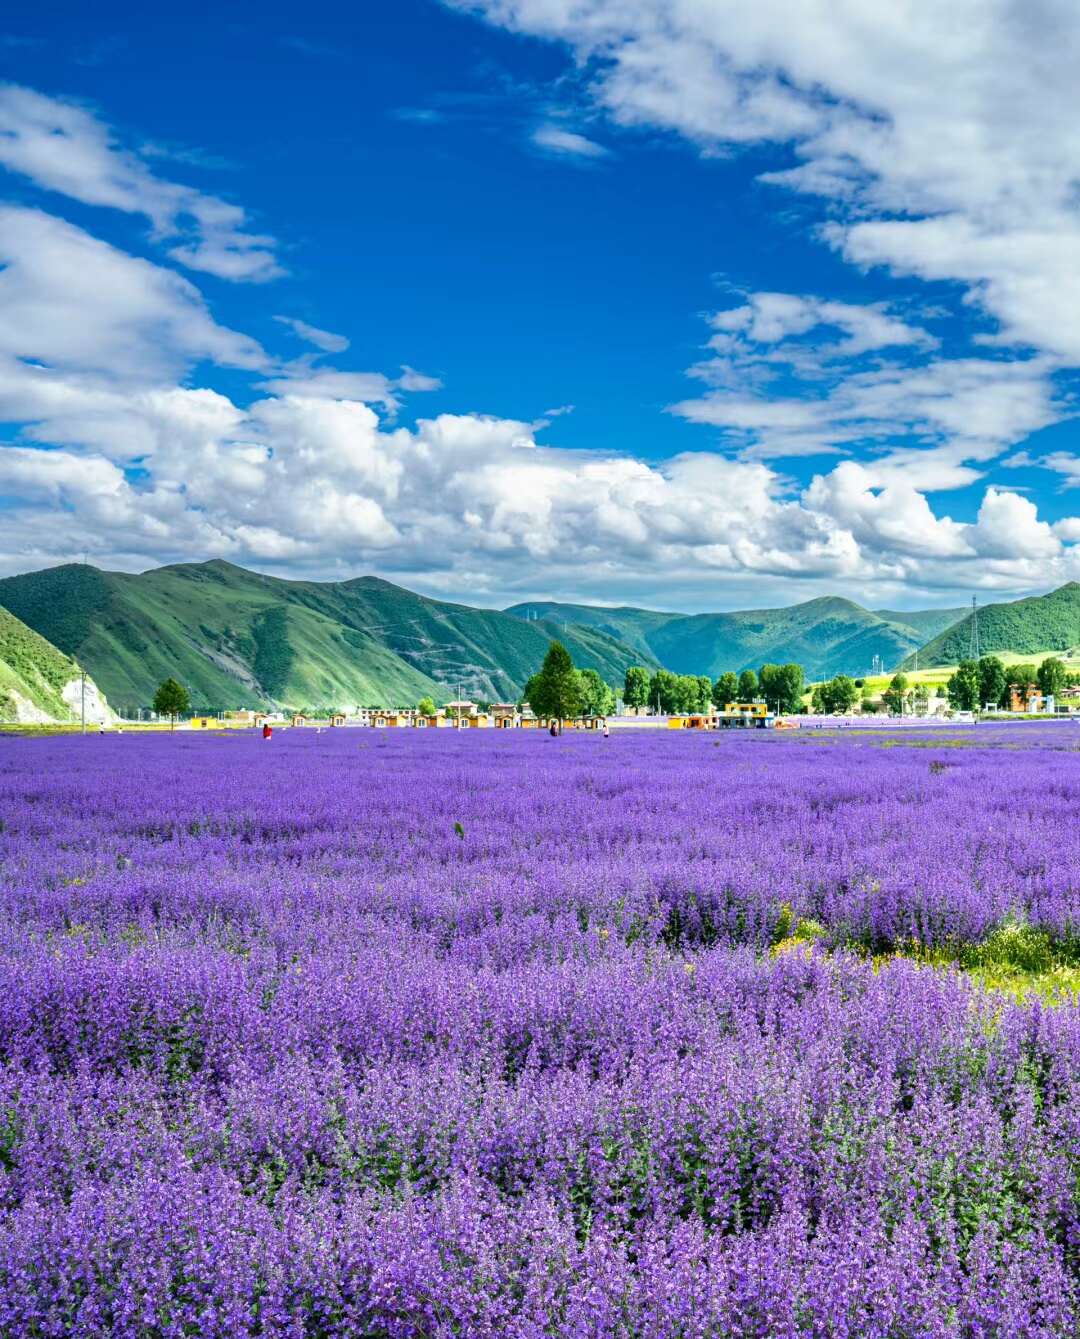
(425, 1034)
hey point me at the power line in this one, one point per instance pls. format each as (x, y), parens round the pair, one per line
(973, 644)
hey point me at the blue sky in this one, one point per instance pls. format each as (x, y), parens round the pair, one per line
(690, 313)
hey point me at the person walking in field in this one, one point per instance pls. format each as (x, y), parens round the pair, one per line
(607, 732)
(553, 729)
(268, 730)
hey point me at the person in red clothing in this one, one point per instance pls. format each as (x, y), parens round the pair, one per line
(268, 730)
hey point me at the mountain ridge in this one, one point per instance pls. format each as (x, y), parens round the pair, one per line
(828, 635)
(1029, 626)
(236, 637)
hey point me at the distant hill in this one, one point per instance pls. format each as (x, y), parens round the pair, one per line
(826, 636)
(1040, 623)
(631, 626)
(38, 682)
(926, 623)
(237, 638)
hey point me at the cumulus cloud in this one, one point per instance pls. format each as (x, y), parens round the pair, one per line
(945, 137)
(312, 471)
(63, 147)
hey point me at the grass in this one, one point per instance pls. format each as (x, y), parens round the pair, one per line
(1015, 959)
(236, 638)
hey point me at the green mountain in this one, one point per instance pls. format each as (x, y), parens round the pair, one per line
(826, 636)
(1040, 623)
(631, 626)
(237, 638)
(34, 676)
(926, 623)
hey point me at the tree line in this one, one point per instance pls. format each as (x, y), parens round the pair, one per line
(560, 690)
(986, 682)
(781, 686)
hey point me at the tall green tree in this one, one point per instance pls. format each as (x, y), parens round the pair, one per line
(597, 699)
(635, 691)
(748, 686)
(555, 689)
(895, 695)
(426, 706)
(691, 694)
(836, 696)
(664, 692)
(782, 686)
(171, 699)
(725, 689)
(1053, 675)
(993, 682)
(963, 687)
(1023, 675)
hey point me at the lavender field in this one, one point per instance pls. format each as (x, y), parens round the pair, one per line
(427, 1034)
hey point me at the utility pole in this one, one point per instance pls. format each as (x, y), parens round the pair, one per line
(973, 644)
(83, 696)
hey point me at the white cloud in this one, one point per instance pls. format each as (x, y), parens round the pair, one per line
(412, 380)
(98, 349)
(93, 344)
(322, 339)
(946, 136)
(62, 147)
(1008, 526)
(567, 143)
(930, 421)
(772, 318)
(70, 301)
(328, 384)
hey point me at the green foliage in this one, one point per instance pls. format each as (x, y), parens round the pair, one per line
(171, 699)
(636, 686)
(782, 686)
(690, 693)
(426, 706)
(556, 691)
(274, 653)
(1040, 623)
(725, 689)
(596, 697)
(895, 695)
(963, 687)
(1012, 945)
(993, 682)
(32, 669)
(664, 692)
(835, 697)
(1052, 675)
(748, 686)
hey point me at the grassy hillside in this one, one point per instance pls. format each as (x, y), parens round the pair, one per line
(827, 636)
(1038, 625)
(631, 626)
(925, 623)
(31, 671)
(237, 638)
